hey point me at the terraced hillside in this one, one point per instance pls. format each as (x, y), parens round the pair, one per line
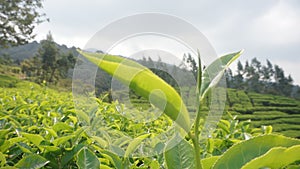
(280, 112)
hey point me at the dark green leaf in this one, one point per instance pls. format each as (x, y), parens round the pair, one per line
(179, 154)
(87, 159)
(69, 155)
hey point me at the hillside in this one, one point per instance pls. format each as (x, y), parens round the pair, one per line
(281, 112)
(29, 50)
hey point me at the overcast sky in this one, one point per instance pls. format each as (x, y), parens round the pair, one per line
(268, 29)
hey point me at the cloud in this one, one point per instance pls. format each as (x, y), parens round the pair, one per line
(279, 25)
(265, 29)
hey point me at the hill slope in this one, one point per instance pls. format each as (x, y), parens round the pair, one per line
(29, 50)
(281, 112)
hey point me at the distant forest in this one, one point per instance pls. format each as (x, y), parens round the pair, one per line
(52, 62)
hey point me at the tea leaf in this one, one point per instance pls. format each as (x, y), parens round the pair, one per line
(243, 152)
(179, 154)
(213, 73)
(87, 159)
(145, 83)
(209, 162)
(34, 138)
(277, 157)
(32, 161)
(134, 144)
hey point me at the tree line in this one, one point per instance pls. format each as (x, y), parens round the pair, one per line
(49, 64)
(253, 76)
(267, 79)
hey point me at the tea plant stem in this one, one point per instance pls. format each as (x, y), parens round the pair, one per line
(197, 121)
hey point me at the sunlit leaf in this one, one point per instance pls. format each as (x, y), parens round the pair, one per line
(207, 163)
(243, 152)
(145, 83)
(62, 140)
(213, 72)
(135, 143)
(277, 157)
(34, 138)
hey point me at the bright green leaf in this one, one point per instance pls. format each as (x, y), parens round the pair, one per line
(8, 167)
(212, 74)
(135, 143)
(145, 83)
(32, 161)
(33, 138)
(51, 131)
(61, 126)
(62, 140)
(100, 141)
(86, 159)
(207, 163)
(277, 157)
(105, 167)
(243, 152)
(2, 159)
(51, 148)
(113, 158)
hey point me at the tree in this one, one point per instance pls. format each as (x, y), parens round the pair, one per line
(48, 64)
(5, 59)
(267, 72)
(18, 18)
(238, 79)
(66, 62)
(240, 68)
(229, 78)
(48, 52)
(191, 64)
(32, 68)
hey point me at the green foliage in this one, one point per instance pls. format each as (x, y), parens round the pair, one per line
(42, 122)
(277, 157)
(280, 112)
(8, 81)
(179, 154)
(266, 79)
(33, 161)
(134, 144)
(49, 64)
(248, 151)
(87, 160)
(39, 127)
